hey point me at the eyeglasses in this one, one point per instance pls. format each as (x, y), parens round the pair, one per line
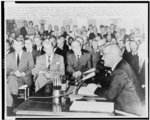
(106, 53)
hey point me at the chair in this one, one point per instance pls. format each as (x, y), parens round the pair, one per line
(23, 92)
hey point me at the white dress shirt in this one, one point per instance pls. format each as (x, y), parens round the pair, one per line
(20, 54)
(39, 48)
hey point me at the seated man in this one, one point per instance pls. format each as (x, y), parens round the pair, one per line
(38, 45)
(18, 68)
(48, 66)
(78, 61)
(29, 48)
(124, 88)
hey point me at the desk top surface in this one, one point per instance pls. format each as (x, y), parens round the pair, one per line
(41, 103)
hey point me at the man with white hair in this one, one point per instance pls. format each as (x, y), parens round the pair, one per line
(124, 88)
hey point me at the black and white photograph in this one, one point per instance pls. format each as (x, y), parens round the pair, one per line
(75, 60)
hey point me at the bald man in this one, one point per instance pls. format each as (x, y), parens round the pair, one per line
(48, 65)
(78, 61)
(124, 88)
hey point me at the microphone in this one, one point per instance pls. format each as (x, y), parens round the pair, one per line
(83, 79)
(88, 76)
(89, 71)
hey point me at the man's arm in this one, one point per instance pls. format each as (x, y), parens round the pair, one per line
(8, 69)
(37, 68)
(118, 83)
(31, 64)
(70, 69)
(62, 65)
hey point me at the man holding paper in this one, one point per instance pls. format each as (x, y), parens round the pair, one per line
(18, 69)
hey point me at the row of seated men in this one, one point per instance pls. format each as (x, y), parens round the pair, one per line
(121, 86)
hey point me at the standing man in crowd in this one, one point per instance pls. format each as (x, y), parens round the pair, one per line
(23, 30)
(38, 45)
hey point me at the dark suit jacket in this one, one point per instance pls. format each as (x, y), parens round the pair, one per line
(133, 60)
(47, 33)
(93, 35)
(73, 65)
(124, 89)
(39, 52)
(23, 31)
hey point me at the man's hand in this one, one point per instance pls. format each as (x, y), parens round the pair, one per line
(19, 74)
(77, 74)
(92, 87)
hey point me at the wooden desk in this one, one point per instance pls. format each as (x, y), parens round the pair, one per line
(41, 104)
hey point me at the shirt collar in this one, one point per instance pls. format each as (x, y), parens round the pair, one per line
(78, 54)
(30, 51)
(51, 57)
(116, 64)
(39, 48)
(20, 53)
(134, 53)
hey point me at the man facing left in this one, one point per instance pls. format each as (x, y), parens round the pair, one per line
(18, 69)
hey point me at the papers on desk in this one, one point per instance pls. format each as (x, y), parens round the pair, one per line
(92, 106)
(88, 90)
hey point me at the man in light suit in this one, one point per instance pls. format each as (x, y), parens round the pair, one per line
(29, 48)
(18, 68)
(124, 88)
(78, 61)
(48, 66)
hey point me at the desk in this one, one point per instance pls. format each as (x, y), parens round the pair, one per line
(40, 104)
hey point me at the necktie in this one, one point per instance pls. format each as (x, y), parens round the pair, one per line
(49, 62)
(78, 61)
(18, 60)
(78, 58)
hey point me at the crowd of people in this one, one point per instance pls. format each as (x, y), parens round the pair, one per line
(36, 56)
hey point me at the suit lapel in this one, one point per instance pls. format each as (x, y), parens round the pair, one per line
(44, 61)
(14, 60)
(75, 59)
(23, 57)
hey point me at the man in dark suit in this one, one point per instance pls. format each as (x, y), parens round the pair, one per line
(103, 32)
(124, 88)
(23, 30)
(132, 57)
(94, 33)
(38, 45)
(79, 61)
(49, 31)
(18, 70)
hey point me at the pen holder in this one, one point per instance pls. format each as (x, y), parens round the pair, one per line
(56, 98)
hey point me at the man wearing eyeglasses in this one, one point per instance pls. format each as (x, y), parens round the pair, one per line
(124, 88)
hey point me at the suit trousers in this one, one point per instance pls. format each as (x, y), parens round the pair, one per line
(13, 85)
(40, 82)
